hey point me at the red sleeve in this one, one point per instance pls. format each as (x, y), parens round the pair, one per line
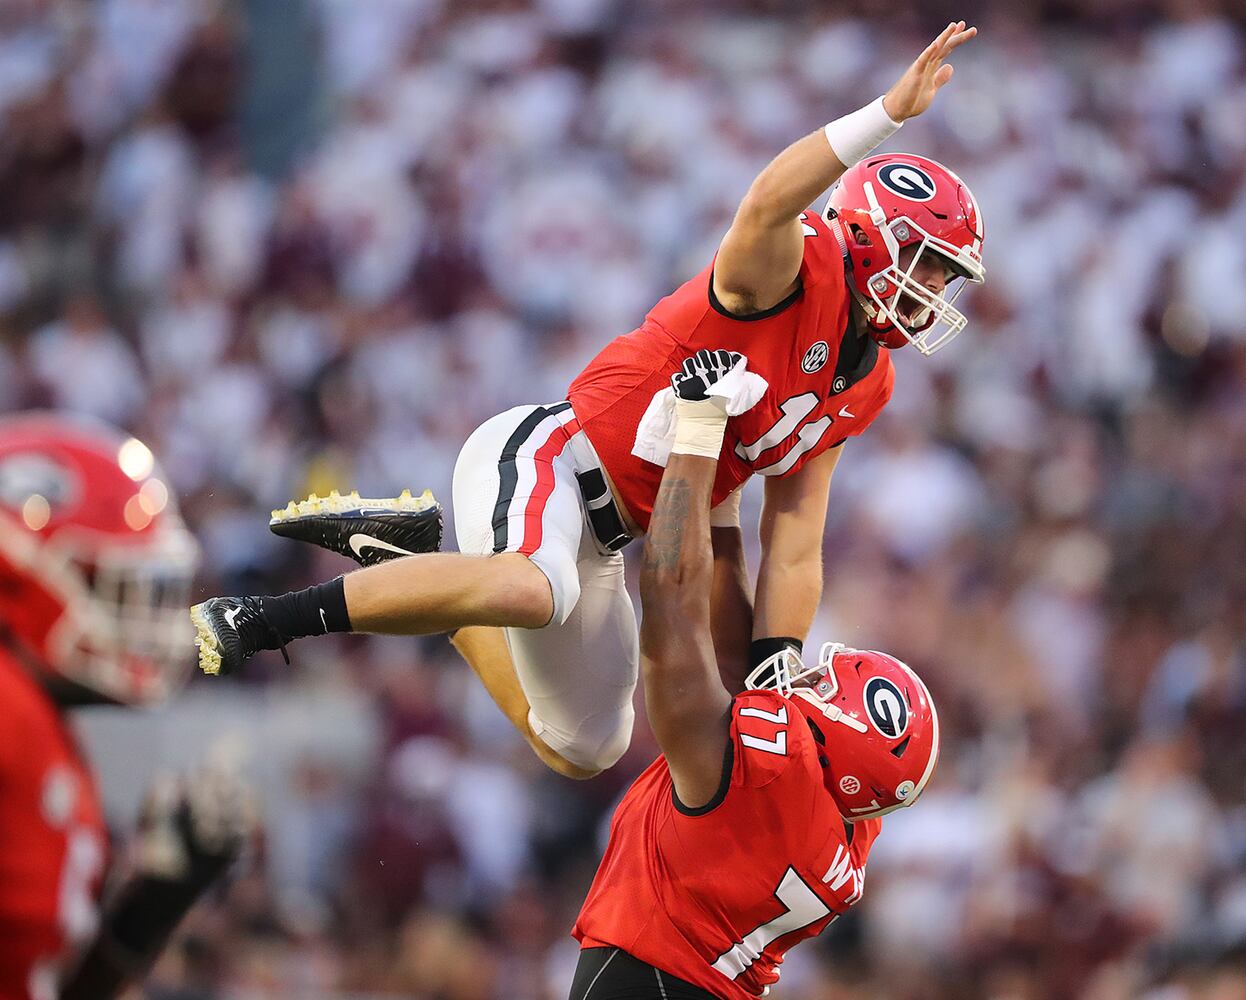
(823, 260)
(770, 736)
(864, 833)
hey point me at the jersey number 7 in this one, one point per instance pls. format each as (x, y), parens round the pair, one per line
(801, 907)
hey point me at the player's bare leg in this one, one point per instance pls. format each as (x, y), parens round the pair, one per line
(406, 586)
(413, 595)
(426, 594)
(487, 653)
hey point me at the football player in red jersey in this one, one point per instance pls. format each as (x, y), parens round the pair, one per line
(94, 568)
(545, 496)
(752, 830)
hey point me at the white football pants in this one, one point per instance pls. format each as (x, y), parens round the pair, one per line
(515, 490)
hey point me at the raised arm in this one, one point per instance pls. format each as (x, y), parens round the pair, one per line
(190, 833)
(684, 695)
(759, 259)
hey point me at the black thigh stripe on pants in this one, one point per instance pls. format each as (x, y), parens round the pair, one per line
(604, 518)
(613, 974)
(508, 472)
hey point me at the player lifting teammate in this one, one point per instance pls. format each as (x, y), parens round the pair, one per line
(546, 496)
(752, 830)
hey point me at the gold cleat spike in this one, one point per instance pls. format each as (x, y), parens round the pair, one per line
(336, 503)
(209, 652)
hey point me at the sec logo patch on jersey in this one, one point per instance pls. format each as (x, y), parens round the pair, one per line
(815, 358)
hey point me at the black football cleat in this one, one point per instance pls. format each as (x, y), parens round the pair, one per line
(230, 630)
(367, 531)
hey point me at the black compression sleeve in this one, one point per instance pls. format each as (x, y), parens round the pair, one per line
(760, 650)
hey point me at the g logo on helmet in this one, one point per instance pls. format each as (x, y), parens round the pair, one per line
(886, 707)
(30, 474)
(907, 181)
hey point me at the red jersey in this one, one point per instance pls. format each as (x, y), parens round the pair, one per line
(717, 895)
(53, 842)
(826, 383)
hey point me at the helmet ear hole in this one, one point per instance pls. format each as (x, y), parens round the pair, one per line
(861, 236)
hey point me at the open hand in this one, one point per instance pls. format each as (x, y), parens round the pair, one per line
(914, 91)
(193, 827)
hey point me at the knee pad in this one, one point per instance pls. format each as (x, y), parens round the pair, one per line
(598, 742)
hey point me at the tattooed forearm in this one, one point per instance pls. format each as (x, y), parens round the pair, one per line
(666, 529)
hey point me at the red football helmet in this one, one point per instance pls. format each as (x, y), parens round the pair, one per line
(886, 203)
(95, 563)
(883, 743)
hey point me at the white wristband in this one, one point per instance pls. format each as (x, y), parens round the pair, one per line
(727, 513)
(699, 428)
(854, 136)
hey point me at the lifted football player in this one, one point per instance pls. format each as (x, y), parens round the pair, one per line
(751, 831)
(95, 567)
(546, 496)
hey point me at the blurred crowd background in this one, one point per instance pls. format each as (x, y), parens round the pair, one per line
(312, 243)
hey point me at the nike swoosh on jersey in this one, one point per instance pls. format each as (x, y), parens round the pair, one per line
(845, 412)
(360, 543)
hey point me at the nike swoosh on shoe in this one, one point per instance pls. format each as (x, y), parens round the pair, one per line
(359, 543)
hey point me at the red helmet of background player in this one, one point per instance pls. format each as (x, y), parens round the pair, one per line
(887, 203)
(95, 563)
(875, 720)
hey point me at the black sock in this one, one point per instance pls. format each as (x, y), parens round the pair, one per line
(317, 610)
